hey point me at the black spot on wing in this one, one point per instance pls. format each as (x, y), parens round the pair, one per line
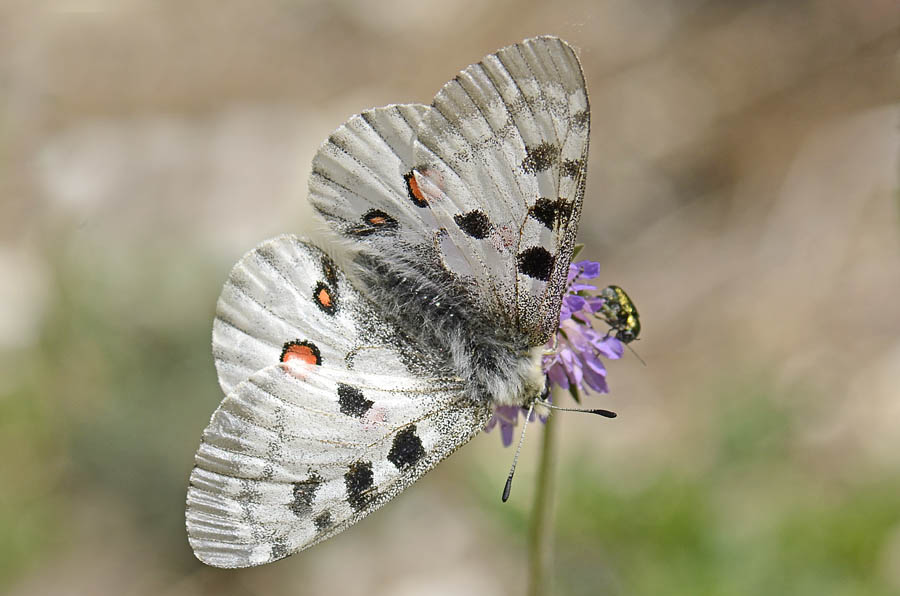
(352, 401)
(279, 549)
(249, 493)
(304, 494)
(580, 119)
(550, 212)
(359, 479)
(323, 521)
(329, 269)
(407, 448)
(540, 158)
(474, 223)
(536, 262)
(572, 167)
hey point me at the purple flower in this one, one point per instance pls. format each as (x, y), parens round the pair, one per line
(506, 417)
(573, 360)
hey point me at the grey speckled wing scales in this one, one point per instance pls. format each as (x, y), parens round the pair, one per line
(280, 294)
(459, 219)
(360, 181)
(328, 413)
(501, 160)
(297, 453)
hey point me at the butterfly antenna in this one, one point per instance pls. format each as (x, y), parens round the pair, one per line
(512, 470)
(598, 411)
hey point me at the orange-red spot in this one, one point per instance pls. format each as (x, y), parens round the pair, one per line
(301, 351)
(324, 298)
(377, 221)
(414, 188)
(415, 193)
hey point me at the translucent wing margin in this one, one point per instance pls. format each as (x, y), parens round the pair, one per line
(486, 183)
(501, 161)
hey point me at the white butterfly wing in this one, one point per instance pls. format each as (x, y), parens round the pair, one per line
(361, 175)
(503, 155)
(293, 456)
(282, 291)
(330, 410)
(487, 183)
(333, 422)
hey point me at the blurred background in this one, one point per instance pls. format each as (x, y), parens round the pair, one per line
(742, 187)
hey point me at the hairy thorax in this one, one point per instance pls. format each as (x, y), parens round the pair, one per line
(440, 322)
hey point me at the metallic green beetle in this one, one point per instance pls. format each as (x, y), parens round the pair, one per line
(620, 313)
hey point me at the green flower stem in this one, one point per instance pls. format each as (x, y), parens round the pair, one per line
(540, 536)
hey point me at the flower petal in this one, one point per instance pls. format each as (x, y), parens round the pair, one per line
(558, 376)
(574, 302)
(610, 347)
(594, 364)
(595, 381)
(589, 269)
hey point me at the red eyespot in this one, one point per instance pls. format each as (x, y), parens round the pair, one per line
(303, 351)
(415, 193)
(324, 298)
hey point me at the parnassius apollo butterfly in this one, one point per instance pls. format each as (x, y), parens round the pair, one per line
(455, 226)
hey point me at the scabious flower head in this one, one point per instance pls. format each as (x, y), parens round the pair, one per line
(573, 360)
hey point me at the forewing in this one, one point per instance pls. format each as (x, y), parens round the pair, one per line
(501, 161)
(297, 453)
(360, 181)
(487, 183)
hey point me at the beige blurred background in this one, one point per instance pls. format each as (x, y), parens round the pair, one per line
(742, 187)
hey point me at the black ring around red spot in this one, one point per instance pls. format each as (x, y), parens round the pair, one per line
(297, 347)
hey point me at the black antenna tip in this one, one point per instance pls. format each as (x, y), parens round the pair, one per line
(604, 413)
(506, 489)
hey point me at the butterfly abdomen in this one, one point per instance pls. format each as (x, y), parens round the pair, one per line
(443, 324)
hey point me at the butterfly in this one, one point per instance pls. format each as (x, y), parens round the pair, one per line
(350, 373)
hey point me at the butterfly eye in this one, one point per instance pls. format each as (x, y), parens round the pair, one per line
(546, 391)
